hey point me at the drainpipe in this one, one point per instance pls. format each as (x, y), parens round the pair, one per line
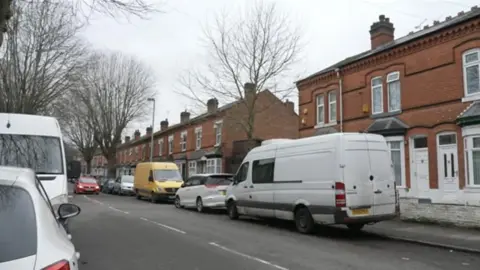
(340, 87)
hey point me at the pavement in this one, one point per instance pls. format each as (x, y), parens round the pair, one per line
(118, 232)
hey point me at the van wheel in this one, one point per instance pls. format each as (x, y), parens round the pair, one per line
(232, 210)
(200, 207)
(356, 227)
(137, 195)
(304, 221)
(152, 198)
(177, 202)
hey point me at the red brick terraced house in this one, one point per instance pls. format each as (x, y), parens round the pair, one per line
(422, 93)
(212, 142)
(99, 165)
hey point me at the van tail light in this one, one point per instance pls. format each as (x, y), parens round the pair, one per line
(60, 265)
(340, 198)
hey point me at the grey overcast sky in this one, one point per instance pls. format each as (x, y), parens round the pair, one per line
(332, 30)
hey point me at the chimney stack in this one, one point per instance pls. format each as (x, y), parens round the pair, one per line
(148, 130)
(136, 135)
(127, 139)
(184, 117)
(212, 105)
(289, 105)
(381, 32)
(163, 125)
(249, 90)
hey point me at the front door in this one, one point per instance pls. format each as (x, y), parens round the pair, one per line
(447, 154)
(419, 166)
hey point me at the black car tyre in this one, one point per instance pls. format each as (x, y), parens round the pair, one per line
(304, 221)
(232, 210)
(200, 207)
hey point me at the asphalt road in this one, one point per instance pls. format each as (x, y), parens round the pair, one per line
(115, 232)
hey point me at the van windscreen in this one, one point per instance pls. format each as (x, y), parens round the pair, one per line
(40, 153)
(167, 175)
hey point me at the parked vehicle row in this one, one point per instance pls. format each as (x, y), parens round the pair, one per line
(341, 178)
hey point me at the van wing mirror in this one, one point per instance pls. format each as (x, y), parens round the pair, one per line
(150, 178)
(183, 185)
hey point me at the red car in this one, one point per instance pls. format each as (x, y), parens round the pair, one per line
(86, 185)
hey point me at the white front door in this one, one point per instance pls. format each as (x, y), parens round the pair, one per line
(420, 169)
(447, 155)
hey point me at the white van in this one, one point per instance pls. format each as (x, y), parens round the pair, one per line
(340, 178)
(36, 142)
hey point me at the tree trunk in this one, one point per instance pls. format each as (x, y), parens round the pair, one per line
(89, 166)
(112, 170)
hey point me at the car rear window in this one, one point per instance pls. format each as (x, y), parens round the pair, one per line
(219, 180)
(18, 228)
(88, 180)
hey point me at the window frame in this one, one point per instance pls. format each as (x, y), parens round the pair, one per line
(190, 167)
(331, 105)
(198, 138)
(400, 139)
(464, 69)
(389, 81)
(318, 106)
(235, 177)
(381, 94)
(218, 126)
(160, 147)
(183, 141)
(170, 144)
(468, 156)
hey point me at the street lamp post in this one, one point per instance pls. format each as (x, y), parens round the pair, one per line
(153, 125)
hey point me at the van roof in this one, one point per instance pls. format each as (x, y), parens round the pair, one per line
(159, 165)
(316, 139)
(26, 124)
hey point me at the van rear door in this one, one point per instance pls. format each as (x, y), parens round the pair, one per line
(356, 175)
(381, 170)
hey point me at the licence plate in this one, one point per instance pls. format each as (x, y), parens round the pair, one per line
(363, 211)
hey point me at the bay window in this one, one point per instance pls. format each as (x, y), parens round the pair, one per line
(214, 165)
(472, 160)
(192, 168)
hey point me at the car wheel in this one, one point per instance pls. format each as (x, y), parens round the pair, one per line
(232, 210)
(356, 227)
(177, 202)
(200, 207)
(304, 221)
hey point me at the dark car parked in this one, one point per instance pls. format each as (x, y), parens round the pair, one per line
(108, 186)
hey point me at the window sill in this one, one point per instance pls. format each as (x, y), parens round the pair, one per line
(385, 114)
(471, 98)
(471, 189)
(326, 125)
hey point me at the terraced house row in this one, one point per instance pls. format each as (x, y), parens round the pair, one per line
(421, 92)
(214, 141)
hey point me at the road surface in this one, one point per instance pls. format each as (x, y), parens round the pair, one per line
(117, 232)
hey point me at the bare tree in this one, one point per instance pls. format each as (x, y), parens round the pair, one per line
(115, 8)
(41, 52)
(259, 49)
(75, 127)
(114, 89)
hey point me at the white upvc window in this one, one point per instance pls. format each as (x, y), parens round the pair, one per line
(471, 73)
(472, 160)
(377, 95)
(332, 107)
(170, 144)
(160, 147)
(218, 132)
(214, 165)
(320, 110)
(192, 168)
(393, 91)
(396, 146)
(198, 138)
(183, 141)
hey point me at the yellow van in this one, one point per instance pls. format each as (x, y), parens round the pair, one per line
(157, 181)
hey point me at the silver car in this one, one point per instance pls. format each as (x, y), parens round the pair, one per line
(124, 185)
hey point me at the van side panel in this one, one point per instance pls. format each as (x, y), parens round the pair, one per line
(382, 171)
(356, 174)
(304, 174)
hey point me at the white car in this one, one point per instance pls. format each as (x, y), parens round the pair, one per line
(31, 233)
(203, 191)
(124, 185)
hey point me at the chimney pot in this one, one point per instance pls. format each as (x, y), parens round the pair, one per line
(381, 32)
(163, 125)
(474, 8)
(212, 105)
(137, 134)
(436, 22)
(184, 117)
(148, 130)
(127, 139)
(289, 104)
